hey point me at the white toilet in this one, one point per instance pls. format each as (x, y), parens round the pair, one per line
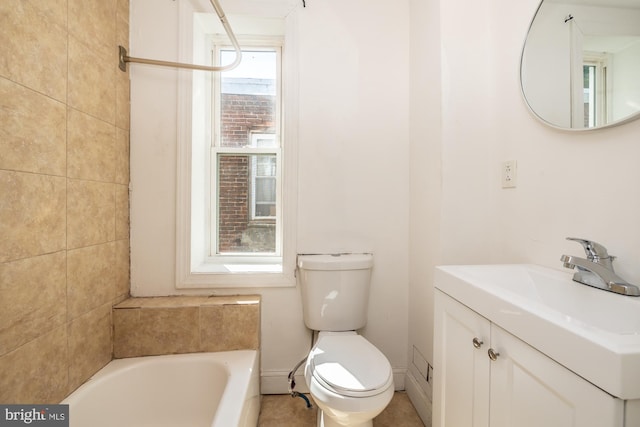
(349, 378)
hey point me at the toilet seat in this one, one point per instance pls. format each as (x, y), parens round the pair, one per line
(349, 365)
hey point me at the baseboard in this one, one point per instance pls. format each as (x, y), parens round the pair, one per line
(418, 398)
(399, 375)
(275, 382)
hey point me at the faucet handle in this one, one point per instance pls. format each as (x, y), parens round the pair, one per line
(593, 249)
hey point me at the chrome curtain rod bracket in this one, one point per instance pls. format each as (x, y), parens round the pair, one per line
(124, 58)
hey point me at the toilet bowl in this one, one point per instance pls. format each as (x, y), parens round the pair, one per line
(350, 380)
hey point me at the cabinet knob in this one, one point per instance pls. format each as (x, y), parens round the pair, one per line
(477, 342)
(493, 355)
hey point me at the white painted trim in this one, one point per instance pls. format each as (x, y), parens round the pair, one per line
(419, 399)
(276, 382)
(399, 375)
(185, 278)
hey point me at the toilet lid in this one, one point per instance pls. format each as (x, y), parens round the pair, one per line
(350, 365)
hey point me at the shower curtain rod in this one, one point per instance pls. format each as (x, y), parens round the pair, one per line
(124, 58)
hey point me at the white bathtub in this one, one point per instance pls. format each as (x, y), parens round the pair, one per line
(182, 390)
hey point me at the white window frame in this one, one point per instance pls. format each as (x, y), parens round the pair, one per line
(195, 269)
(253, 261)
(600, 96)
(254, 175)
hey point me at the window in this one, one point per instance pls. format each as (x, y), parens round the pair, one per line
(263, 180)
(589, 86)
(245, 157)
(594, 90)
(236, 204)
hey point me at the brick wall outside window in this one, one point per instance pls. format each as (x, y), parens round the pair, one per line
(241, 115)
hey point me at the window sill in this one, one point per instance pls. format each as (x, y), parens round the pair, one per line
(237, 275)
(231, 267)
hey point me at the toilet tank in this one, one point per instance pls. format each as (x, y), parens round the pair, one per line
(335, 290)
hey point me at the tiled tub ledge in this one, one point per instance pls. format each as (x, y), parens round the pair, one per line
(185, 324)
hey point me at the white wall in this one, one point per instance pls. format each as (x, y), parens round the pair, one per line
(548, 88)
(569, 183)
(353, 149)
(626, 69)
(353, 177)
(582, 184)
(467, 116)
(426, 194)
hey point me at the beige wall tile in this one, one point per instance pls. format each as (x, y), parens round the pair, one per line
(122, 78)
(183, 324)
(169, 330)
(230, 327)
(126, 323)
(90, 213)
(33, 47)
(163, 302)
(32, 295)
(188, 301)
(123, 10)
(212, 330)
(89, 344)
(242, 324)
(122, 211)
(92, 85)
(32, 131)
(36, 372)
(58, 67)
(32, 215)
(122, 268)
(127, 334)
(90, 148)
(51, 10)
(93, 21)
(122, 156)
(123, 104)
(157, 331)
(91, 278)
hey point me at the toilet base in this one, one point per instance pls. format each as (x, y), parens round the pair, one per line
(326, 421)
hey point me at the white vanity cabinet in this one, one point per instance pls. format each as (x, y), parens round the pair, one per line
(486, 377)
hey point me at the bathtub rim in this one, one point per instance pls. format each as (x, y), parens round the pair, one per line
(243, 384)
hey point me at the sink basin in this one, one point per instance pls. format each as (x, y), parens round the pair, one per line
(591, 332)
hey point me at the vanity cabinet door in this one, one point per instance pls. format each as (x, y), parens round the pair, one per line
(461, 365)
(528, 389)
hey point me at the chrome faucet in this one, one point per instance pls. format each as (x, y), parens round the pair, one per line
(597, 269)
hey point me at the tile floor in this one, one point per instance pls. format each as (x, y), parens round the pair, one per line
(282, 410)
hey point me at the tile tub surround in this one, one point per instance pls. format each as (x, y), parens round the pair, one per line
(64, 201)
(185, 324)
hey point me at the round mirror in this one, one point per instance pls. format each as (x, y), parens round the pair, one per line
(580, 65)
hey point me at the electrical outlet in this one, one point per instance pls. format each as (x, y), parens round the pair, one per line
(509, 174)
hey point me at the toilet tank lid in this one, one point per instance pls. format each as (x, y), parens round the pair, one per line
(335, 261)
